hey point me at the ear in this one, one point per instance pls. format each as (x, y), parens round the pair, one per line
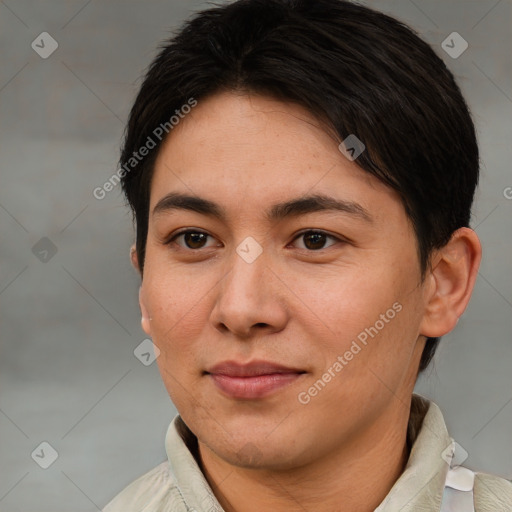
(450, 281)
(134, 258)
(145, 320)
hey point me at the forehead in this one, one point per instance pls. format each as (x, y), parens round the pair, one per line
(251, 150)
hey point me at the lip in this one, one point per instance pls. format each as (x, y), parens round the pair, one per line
(253, 380)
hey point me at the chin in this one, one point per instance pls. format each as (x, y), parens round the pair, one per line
(258, 453)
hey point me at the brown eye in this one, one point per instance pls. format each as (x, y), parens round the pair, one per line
(192, 239)
(314, 240)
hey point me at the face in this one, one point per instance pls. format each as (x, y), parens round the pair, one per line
(284, 331)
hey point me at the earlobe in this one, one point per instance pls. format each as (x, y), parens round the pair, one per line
(450, 282)
(145, 320)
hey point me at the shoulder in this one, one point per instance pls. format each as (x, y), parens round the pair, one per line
(492, 493)
(155, 491)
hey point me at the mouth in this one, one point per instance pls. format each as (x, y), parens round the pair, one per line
(254, 380)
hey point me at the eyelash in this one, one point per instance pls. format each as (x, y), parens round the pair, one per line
(302, 233)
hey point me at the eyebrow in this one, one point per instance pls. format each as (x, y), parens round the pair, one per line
(292, 208)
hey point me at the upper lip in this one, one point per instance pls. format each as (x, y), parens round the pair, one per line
(251, 369)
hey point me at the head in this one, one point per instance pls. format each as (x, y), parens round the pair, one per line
(245, 111)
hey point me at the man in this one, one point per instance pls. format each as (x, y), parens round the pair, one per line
(301, 175)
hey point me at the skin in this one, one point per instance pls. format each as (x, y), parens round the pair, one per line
(298, 304)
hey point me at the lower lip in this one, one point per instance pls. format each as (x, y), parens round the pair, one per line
(253, 387)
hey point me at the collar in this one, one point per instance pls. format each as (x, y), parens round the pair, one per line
(419, 487)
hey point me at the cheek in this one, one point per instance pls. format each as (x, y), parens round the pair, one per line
(176, 331)
(346, 303)
(368, 317)
(173, 296)
(174, 309)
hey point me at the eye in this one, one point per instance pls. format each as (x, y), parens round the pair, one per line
(193, 238)
(315, 240)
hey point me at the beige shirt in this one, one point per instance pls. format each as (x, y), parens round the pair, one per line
(178, 485)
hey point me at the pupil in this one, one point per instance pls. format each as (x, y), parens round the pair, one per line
(318, 240)
(193, 238)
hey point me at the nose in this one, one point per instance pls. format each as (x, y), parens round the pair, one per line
(250, 299)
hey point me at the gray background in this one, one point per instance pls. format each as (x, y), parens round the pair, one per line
(69, 325)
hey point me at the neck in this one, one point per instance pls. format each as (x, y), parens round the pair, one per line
(355, 477)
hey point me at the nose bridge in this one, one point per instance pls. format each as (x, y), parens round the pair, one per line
(247, 275)
(245, 296)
